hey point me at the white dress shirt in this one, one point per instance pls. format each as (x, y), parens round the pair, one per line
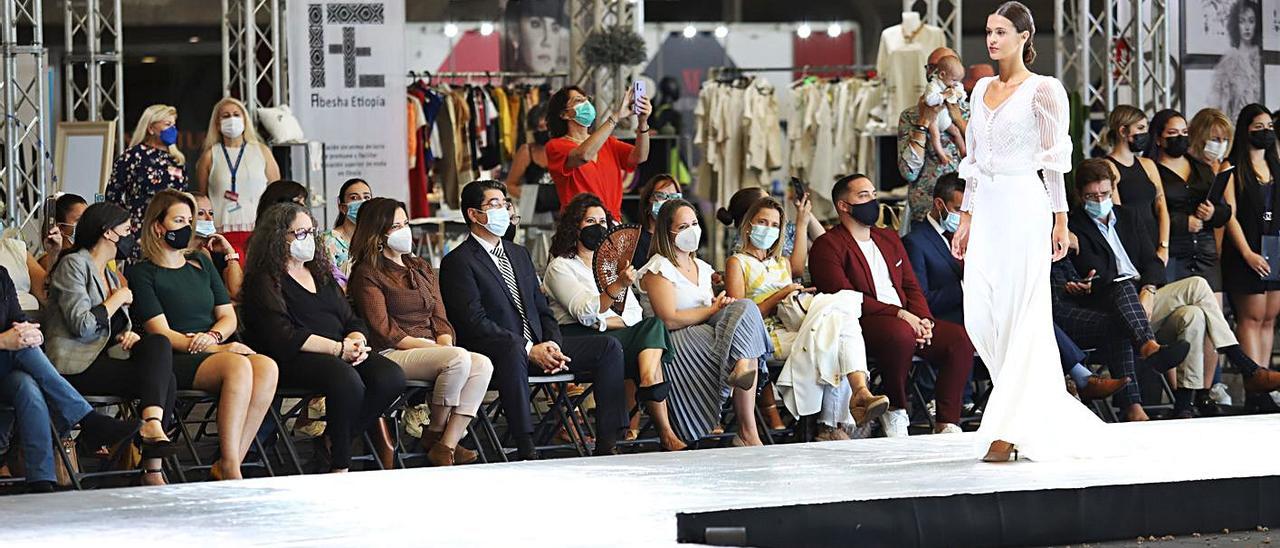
(570, 286)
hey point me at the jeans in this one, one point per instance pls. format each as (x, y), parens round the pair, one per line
(35, 390)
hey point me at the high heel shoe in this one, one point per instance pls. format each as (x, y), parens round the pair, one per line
(1001, 451)
(867, 408)
(744, 379)
(157, 448)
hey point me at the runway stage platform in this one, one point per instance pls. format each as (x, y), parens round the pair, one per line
(1192, 476)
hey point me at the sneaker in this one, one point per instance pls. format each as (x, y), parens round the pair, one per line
(895, 423)
(856, 432)
(1275, 396)
(950, 429)
(1219, 394)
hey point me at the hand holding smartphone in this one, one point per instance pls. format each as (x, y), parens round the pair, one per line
(639, 91)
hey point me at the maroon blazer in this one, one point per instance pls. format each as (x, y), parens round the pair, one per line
(836, 263)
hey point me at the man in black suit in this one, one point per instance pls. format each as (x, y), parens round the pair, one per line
(940, 274)
(1115, 245)
(491, 295)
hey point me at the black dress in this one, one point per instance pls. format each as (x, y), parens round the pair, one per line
(1251, 200)
(548, 200)
(1138, 194)
(1192, 253)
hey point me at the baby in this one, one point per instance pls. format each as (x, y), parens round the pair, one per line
(944, 85)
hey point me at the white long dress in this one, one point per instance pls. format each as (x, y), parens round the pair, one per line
(1007, 301)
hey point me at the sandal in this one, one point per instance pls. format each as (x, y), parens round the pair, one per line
(148, 471)
(157, 448)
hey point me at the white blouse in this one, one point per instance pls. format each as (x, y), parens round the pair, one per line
(688, 294)
(570, 286)
(1028, 132)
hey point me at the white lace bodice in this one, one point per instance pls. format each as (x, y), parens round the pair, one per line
(1028, 132)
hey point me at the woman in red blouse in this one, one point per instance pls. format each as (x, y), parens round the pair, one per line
(593, 161)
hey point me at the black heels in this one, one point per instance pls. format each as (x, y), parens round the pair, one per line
(157, 448)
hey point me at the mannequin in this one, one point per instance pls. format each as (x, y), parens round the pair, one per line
(903, 51)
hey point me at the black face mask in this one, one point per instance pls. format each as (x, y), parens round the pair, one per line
(1176, 146)
(1262, 138)
(866, 214)
(178, 239)
(591, 236)
(124, 247)
(1140, 142)
(541, 137)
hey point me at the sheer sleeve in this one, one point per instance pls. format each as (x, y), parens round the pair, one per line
(968, 169)
(1053, 155)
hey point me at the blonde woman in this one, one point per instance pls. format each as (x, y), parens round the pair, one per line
(1210, 134)
(234, 170)
(151, 163)
(178, 294)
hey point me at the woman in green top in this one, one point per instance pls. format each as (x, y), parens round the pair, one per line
(179, 294)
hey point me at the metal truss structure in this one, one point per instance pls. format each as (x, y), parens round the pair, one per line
(1114, 52)
(587, 16)
(254, 58)
(23, 169)
(944, 14)
(93, 72)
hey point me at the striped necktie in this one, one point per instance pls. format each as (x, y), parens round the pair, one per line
(509, 276)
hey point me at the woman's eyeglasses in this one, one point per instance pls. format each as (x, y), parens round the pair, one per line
(302, 234)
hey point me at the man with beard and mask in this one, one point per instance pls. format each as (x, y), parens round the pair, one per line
(490, 291)
(896, 320)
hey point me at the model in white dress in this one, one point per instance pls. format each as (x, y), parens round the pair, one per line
(1007, 301)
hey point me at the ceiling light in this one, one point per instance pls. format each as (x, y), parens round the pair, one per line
(722, 31)
(690, 31)
(149, 59)
(834, 30)
(803, 31)
(450, 30)
(486, 28)
(193, 40)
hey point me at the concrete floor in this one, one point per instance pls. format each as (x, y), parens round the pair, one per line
(626, 500)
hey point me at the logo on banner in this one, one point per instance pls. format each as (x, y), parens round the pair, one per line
(348, 17)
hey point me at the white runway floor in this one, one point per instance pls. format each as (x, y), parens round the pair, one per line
(616, 501)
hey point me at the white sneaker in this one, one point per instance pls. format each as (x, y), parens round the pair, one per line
(1275, 396)
(1219, 394)
(895, 423)
(951, 429)
(857, 432)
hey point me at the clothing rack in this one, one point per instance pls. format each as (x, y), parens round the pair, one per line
(858, 70)
(485, 74)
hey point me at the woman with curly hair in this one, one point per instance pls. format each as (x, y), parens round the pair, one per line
(295, 312)
(581, 309)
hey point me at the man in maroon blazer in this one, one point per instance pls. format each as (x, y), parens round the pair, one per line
(896, 321)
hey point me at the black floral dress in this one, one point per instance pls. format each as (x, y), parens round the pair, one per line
(139, 174)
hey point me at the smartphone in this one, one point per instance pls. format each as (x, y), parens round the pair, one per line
(798, 188)
(639, 92)
(1089, 280)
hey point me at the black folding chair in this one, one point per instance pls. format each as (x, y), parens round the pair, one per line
(187, 402)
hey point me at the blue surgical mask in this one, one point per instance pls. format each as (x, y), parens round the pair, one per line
(353, 208)
(951, 222)
(169, 136)
(763, 237)
(499, 221)
(1098, 210)
(584, 114)
(657, 206)
(204, 228)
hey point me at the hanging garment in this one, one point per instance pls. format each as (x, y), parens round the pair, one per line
(901, 61)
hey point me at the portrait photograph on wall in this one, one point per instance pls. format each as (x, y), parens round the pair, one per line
(1222, 53)
(536, 36)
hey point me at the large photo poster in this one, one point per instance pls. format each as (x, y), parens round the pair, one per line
(1222, 54)
(346, 72)
(536, 36)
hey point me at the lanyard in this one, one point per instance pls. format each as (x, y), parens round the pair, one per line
(236, 166)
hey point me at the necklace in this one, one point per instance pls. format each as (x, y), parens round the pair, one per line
(911, 37)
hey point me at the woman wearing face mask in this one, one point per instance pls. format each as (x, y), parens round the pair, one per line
(151, 163)
(234, 169)
(760, 272)
(353, 194)
(1186, 181)
(295, 313)
(217, 248)
(720, 342)
(399, 294)
(1138, 186)
(582, 159)
(581, 309)
(179, 295)
(655, 192)
(92, 342)
(1251, 192)
(529, 165)
(1210, 137)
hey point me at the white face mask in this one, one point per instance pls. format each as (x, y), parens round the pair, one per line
(400, 240)
(232, 127)
(204, 228)
(687, 239)
(1216, 150)
(303, 250)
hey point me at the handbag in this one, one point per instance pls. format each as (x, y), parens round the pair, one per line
(792, 310)
(889, 218)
